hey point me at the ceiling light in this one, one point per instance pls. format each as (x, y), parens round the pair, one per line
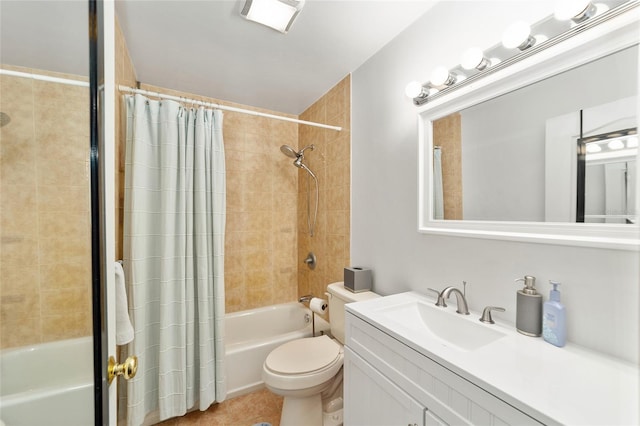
(518, 35)
(473, 58)
(632, 142)
(593, 148)
(277, 14)
(615, 144)
(575, 10)
(441, 76)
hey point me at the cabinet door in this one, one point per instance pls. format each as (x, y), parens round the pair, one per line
(372, 400)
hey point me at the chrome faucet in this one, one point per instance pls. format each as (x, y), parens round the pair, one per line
(306, 298)
(460, 299)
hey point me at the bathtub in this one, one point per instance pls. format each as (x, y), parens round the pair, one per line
(251, 335)
(48, 384)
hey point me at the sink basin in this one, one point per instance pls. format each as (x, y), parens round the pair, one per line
(451, 329)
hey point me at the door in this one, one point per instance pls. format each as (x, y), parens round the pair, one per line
(102, 170)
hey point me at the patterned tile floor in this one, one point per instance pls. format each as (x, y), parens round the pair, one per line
(245, 410)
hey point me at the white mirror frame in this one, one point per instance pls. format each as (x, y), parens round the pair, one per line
(610, 36)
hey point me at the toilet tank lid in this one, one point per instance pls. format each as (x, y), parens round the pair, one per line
(349, 296)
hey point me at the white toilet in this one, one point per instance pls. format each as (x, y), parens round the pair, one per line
(300, 370)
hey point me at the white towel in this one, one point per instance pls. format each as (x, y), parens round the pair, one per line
(124, 329)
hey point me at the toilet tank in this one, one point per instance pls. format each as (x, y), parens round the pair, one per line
(338, 296)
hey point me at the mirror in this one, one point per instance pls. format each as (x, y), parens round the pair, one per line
(506, 158)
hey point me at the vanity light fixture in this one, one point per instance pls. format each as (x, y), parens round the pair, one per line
(575, 10)
(473, 58)
(517, 44)
(616, 144)
(441, 77)
(592, 148)
(416, 90)
(276, 14)
(518, 35)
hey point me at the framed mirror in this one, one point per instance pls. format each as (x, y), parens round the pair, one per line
(505, 156)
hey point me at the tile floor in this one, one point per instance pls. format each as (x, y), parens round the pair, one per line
(245, 410)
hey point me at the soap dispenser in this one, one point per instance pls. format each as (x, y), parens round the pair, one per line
(529, 308)
(554, 328)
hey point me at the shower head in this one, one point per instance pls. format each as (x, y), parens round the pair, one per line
(4, 119)
(288, 151)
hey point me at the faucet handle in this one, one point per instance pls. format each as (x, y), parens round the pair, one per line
(440, 301)
(486, 314)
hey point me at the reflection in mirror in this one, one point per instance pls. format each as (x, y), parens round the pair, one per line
(500, 159)
(607, 177)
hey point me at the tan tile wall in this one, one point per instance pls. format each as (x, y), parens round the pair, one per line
(447, 132)
(45, 251)
(331, 162)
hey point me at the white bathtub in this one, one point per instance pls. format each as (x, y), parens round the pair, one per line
(48, 384)
(251, 335)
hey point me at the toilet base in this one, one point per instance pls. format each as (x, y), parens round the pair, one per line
(305, 411)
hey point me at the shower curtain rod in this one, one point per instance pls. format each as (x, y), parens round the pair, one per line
(44, 78)
(225, 108)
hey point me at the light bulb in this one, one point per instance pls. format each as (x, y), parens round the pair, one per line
(413, 89)
(473, 58)
(440, 76)
(632, 142)
(593, 147)
(518, 35)
(576, 10)
(615, 144)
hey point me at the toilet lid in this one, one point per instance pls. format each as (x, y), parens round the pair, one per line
(303, 355)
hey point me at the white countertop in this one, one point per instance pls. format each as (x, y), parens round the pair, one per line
(569, 385)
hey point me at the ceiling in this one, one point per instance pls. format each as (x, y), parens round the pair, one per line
(205, 47)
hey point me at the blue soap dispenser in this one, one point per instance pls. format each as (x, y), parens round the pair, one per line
(554, 327)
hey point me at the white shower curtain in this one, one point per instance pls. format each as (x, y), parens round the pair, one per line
(438, 197)
(174, 223)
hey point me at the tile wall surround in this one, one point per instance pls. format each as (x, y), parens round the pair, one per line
(266, 236)
(447, 131)
(45, 234)
(331, 162)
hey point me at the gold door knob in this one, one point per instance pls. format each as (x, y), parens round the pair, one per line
(127, 369)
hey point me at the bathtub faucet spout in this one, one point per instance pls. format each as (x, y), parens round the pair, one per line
(306, 299)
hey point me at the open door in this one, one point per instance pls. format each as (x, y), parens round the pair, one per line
(102, 170)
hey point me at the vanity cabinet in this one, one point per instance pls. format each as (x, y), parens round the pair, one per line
(388, 383)
(376, 401)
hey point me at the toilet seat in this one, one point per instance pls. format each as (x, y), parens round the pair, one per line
(303, 356)
(303, 364)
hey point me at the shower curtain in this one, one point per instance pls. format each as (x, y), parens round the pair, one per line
(174, 221)
(438, 198)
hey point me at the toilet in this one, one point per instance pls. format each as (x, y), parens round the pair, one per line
(300, 370)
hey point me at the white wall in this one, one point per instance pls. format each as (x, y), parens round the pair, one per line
(600, 287)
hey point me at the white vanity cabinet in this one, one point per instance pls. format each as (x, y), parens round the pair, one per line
(376, 401)
(388, 383)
